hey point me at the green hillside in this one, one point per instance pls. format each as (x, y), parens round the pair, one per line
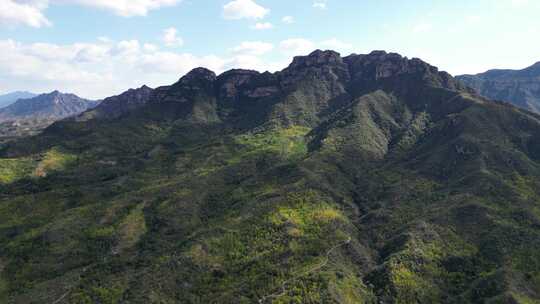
(364, 179)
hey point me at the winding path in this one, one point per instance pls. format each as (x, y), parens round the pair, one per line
(283, 289)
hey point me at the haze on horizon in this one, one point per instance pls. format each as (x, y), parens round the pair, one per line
(100, 48)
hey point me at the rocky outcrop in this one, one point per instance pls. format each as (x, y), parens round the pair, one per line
(304, 93)
(116, 106)
(229, 84)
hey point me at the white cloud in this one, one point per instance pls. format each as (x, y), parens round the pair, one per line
(253, 48)
(251, 62)
(150, 47)
(320, 4)
(297, 46)
(337, 45)
(287, 19)
(31, 12)
(94, 70)
(263, 26)
(28, 13)
(126, 8)
(171, 38)
(240, 9)
(106, 67)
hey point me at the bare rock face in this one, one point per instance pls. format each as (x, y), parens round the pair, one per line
(305, 93)
(325, 66)
(229, 84)
(197, 81)
(519, 87)
(379, 67)
(116, 106)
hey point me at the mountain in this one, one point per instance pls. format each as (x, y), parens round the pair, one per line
(116, 106)
(519, 87)
(54, 105)
(361, 179)
(9, 98)
(29, 116)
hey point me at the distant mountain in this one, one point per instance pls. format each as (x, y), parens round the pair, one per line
(51, 106)
(31, 115)
(519, 87)
(9, 98)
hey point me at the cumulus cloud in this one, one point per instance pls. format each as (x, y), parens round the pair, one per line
(171, 38)
(106, 67)
(263, 26)
(253, 48)
(240, 9)
(320, 4)
(31, 12)
(94, 70)
(297, 46)
(126, 8)
(150, 47)
(28, 13)
(287, 19)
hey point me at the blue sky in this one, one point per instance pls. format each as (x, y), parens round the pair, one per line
(96, 48)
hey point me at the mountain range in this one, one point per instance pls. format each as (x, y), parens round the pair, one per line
(519, 87)
(368, 178)
(9, 98)
(28, 116)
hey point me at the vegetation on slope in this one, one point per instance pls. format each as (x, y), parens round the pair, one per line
(385, 190)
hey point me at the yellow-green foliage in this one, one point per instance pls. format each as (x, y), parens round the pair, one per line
(522, 299)
(132, 228)
(305, 216)
(525, 186)
(98, 294)
(351, 290)
(289, 142)
(3, 285)
(302, 227)
(101, 232)
(54, 160)
(13, 169)
(412, 280)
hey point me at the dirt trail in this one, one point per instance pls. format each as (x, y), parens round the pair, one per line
(283, 289)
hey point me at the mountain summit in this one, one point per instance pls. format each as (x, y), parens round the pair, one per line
(362, 179)
(30, 116)
(53, 106)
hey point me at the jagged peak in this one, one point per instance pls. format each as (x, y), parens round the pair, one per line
(199, 73)
(378, 53)
(534, 69)
(317, 58)
(55, 93)
(324, 53)
(144, 88)
(235, 72)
